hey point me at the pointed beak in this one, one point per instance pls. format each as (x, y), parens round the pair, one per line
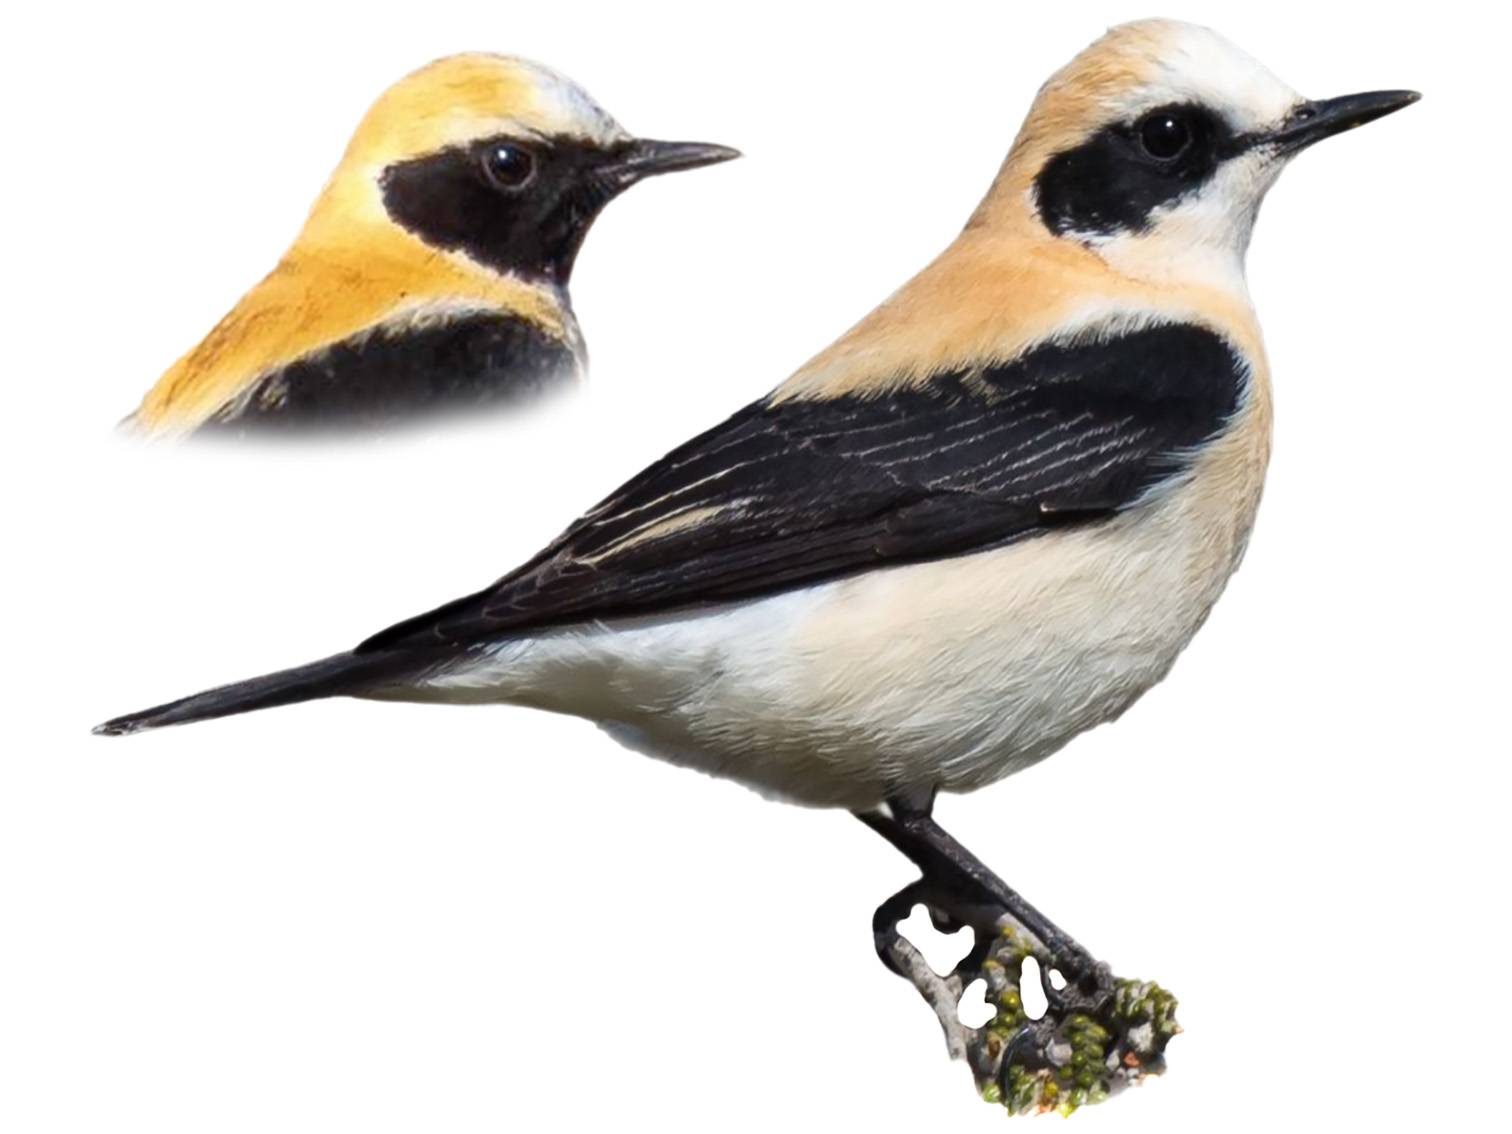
(646, 158)
(1313, 121)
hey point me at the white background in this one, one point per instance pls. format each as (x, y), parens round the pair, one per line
(350, 916)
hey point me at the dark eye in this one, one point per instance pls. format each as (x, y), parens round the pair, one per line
(508, 166)
(1164, 134)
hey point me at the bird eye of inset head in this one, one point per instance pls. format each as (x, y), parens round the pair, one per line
(508, 166)
(1164, 134)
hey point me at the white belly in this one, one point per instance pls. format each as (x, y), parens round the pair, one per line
(949, 674)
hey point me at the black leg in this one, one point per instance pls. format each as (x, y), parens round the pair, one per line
(959, 889)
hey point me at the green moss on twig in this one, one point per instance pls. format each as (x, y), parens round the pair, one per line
(1090, 1044)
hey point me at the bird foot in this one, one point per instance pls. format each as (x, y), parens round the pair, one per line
(1097, 1035)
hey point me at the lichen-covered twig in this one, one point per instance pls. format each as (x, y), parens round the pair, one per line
(942, 993)
(1098, 1035)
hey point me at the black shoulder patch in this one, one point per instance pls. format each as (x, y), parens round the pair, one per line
(385, 378)
(1110, 184)
(794, 492)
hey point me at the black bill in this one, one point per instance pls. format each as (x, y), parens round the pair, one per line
(647, 158)
(1313, 121)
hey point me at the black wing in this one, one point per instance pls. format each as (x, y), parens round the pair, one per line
(796, 491)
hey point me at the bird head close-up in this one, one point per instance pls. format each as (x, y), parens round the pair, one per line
(1129, 196)
(432, 271)
(1155, 146)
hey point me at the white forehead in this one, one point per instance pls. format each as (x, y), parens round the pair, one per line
(559, 106)
(1188, 63)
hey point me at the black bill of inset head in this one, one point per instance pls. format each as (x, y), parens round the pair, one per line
(1315, 120)
(646, 157)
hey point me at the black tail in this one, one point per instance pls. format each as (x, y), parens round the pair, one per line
(341, 675)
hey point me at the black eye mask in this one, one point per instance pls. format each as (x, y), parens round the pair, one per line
(1115, 179)
(521, 207)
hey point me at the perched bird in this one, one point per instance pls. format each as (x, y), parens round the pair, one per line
(986, 519)
(432, 271)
